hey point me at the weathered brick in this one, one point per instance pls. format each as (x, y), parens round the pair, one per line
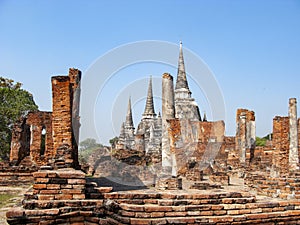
(53, 186)
(134, 221)
(158, 208)
(157, 214)
(78, 196)
(39, 186)
(76, 181)
(142, 215)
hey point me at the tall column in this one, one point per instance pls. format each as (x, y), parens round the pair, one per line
(293, 153)
(168, 112)
(61, 112)
(75, 79)
(281, 144)
(241, 132)
(251, 135)
(245, 135)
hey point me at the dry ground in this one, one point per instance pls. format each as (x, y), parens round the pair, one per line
(15, 196)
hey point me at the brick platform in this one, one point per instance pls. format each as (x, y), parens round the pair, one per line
(158, 207)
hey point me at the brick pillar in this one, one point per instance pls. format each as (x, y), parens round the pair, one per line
(75, 78)
(251, 136)
(293, 153)
(168, 112)
(61, 115)
(298, 138)
(245, 135)
(281, 143)
(241, 135)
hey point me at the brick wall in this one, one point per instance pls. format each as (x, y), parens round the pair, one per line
(20, 143)
(37, 121)
(27, 138)
(281, 143)
(195, 142)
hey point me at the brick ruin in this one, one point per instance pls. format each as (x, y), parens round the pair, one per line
(201, 176)
(38, 137)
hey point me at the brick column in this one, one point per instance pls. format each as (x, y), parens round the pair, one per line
(281, 143)
(245, 135)
(168, 112)
(75, 78)
(61, 115)
(293, 153)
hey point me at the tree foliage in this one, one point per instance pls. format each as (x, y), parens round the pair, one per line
(89, 143)
(87, 148)
(262, 141)
(113, 141)
(14, 103)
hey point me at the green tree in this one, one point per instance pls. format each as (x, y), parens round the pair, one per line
(262, 141)
(89, 143)
(87, 148)
(14, 103)
(113, 142)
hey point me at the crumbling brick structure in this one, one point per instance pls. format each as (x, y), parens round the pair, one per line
(299, 135)
(39, 134)
(281, 143)
(245, 135)
(195, 142)
(32, 136)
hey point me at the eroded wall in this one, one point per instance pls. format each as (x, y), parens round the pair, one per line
(281, 143)
(195, 144)
(39, 134)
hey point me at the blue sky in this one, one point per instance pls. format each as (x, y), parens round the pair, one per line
(252, 48)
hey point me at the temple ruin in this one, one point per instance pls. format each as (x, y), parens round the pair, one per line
(189, 171)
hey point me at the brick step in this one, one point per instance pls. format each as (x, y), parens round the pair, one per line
(104, 189)
(205, 186)
(255, 218)
(175, 195)
(178, 202)
(43, 204)
(151, 210)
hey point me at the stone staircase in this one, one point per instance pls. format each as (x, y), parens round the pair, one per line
(179, 207)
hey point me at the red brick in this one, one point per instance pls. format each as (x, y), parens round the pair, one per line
(158, 208)
(134, 221)
(46, 197)
(39, 186)
(157, 214)
(76, 181)
(63, 197)
(53, 186)
(79, 196)
(142, 215)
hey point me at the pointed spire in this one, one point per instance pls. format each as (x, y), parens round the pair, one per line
(181, 81)
(129, 121)
(204, 117)
(149, 108)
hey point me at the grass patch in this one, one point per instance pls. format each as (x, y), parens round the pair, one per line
(4, 199)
